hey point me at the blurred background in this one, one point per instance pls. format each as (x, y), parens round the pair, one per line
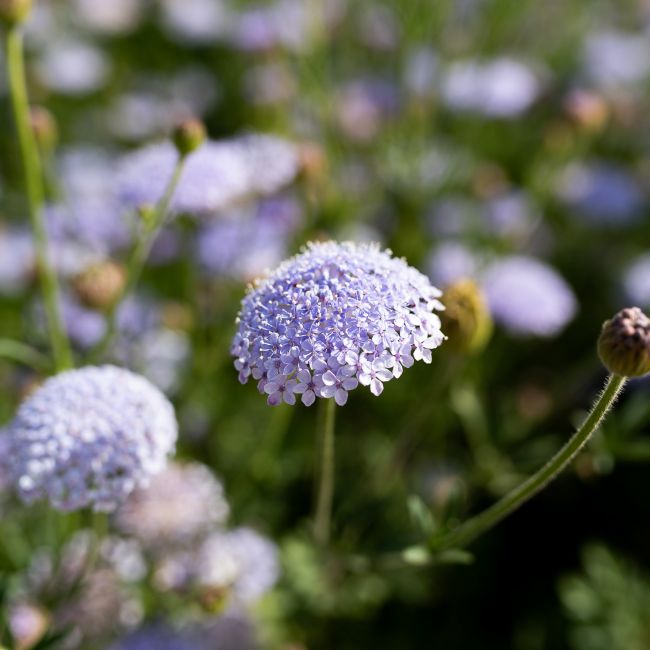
(505, 141)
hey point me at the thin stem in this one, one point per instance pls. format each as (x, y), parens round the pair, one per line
(323, 515)
(35, 197)
(23, 354)
(482, 522)
(138, 258)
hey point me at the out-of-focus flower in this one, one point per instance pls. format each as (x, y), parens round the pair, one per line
(215, 177)
(16, 260)
(231, 630)
(286, 24)
(588, 109)
(181, 503)
(158, 636)
(498, 88)
(112, 18)
(28, 623)
(528, 297)
(332, 317)
(636, 280)
(616, 60)
(267, 84)
(251, 241)
(363, 106)
(71, 67)
(421, 73)
(240, 562)
(379, 28)
(602, 193)
(451, 261)
(196, 21)
(89, 437)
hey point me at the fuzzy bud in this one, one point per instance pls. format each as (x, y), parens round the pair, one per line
(100, 285)
(466, 320)
(624, 343)
(14, 12)
(188, 136)
(44, 127)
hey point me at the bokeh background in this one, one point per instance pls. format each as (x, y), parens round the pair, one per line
(502, 140)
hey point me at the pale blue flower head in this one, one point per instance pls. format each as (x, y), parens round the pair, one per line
(216, 176)
(636, 280)
(528, 297)
(89, 437)
(333, 317)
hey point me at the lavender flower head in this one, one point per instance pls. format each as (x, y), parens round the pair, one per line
(636, 280)
(89, 437)
(528, 297)
(241, 561)
(180, 503)
(158, 636)
(333, 317)
(216, 176)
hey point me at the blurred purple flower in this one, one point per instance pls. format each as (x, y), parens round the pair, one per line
(528, 297)
(636, 281)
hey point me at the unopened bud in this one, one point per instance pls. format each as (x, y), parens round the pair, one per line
(44, 127)
(466, 320)
(624, 343)
(188, 136)
(100, 285)
(14, 12)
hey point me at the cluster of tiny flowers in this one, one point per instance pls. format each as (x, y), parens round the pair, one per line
(215, 177)
(89, 437)
(334, 317)
(181, 503)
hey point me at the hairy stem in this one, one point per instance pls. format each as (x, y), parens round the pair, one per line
(35, 198)
(476, 526)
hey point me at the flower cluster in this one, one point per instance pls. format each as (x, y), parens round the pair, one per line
(180, 503)
(334, 317)
(216, 176)
(89, 437)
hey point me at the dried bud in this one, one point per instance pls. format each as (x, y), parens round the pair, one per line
(44, 127)
(100, 285)
(466, 320)
(14, 12)
(313, 160)
(624, 343)
(188, 136)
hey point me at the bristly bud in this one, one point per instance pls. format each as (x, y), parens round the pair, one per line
(100, 285)
(466, 320)
(624, 343)
(14, 12)
(188, 136)
(44, 127)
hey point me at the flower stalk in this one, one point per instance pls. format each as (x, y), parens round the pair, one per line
(476, 526)
(152, 224)
(35, 196)
(323, 516)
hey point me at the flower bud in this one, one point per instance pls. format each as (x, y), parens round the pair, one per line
(100, 285)
(44, 127)
(466, 320)
(14, 12)
(188, 136)
(624, 343)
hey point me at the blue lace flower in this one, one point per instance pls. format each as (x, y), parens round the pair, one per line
(89, 437)
(334, 317)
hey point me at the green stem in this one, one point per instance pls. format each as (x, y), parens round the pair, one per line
(23, 354)
(138, 258)
(35, 197)
(474, 527)
(322, 519)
